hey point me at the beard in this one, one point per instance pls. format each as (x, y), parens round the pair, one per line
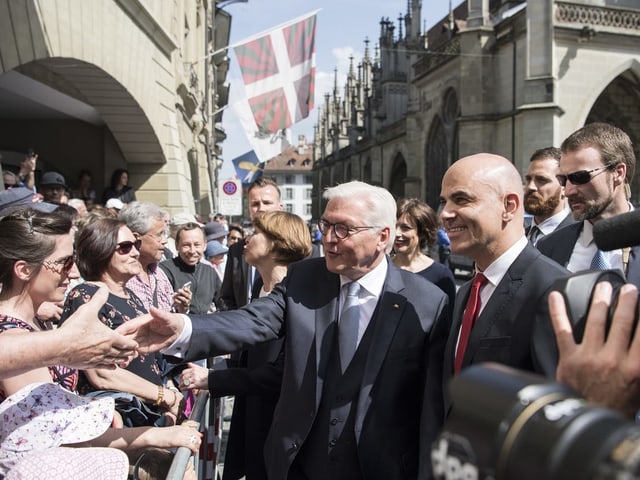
(592, 209)
(538, 206)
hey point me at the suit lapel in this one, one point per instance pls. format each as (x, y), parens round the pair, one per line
(388, 313)
(325, 330)
(500, 300)
(458, 311)
(633, 269)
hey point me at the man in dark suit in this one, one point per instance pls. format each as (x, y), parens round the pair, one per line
(483, 214)
(544, 196)
(596, 169)
(374, 417)
(263, 195)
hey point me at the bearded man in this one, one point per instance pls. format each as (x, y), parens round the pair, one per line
(544, 196)
(596, 169)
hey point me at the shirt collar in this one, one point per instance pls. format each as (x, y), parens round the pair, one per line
(550, 224)
(372, 281)
(499, 267)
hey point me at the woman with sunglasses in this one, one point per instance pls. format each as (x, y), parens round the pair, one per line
(41, 413)
(107, 254)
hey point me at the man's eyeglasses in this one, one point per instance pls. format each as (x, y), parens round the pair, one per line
(340, 230)
(582, 177)
(67, 264)
(158, 236)
(123, 248)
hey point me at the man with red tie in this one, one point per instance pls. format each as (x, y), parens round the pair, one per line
(501, 315)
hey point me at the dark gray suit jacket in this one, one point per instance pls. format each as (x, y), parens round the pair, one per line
(514, 327)
(399, 406)
(234, 292)
(559, 245)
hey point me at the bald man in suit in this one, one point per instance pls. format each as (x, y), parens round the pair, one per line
(482, 198)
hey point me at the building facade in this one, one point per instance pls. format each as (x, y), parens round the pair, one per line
(110, 84)
(500, 76)
(292, 172)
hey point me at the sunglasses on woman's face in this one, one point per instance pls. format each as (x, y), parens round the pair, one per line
(123, 248)
(67, 264)
(581, 177)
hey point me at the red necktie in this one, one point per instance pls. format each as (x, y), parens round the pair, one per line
(469, 318)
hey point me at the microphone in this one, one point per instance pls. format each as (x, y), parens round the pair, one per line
(618, 232)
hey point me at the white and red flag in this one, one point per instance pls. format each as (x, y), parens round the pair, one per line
(278, 70)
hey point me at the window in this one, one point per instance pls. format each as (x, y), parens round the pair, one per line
(288, 207)
(307, 209)
(307, 193)
(289, 179)
(288, 194)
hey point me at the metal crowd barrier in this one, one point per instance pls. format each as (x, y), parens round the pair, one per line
(182, 455)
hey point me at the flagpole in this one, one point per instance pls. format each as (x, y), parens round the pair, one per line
(258, 35)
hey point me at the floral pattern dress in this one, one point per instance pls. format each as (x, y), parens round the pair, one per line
(64, 376)
(114, 313)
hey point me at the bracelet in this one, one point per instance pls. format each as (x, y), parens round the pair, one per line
(160, 398)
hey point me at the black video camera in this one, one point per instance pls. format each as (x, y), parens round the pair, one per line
(509, 425)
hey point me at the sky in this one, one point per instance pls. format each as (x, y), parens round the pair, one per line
(341, 29)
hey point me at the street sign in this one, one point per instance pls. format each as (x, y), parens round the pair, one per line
(230, 196)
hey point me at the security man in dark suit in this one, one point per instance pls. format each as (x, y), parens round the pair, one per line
(544, 196)
(263, 195)
(596, 169)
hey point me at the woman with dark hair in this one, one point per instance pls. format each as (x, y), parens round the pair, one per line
(279, 238)
(107, 253)
(41, 412)
(416, 232)
(119, 187)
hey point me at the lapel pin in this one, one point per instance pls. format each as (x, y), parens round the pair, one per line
(395, 305)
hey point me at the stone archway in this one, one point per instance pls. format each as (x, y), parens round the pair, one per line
(437, 162)
(398, 176)
(619, 105)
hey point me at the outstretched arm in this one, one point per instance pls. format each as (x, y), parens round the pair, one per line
(604, 368)
(81, 342)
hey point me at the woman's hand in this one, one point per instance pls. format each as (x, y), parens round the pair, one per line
(194, 377)
(184, 435)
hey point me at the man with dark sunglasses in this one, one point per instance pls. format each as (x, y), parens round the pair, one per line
(596, 169)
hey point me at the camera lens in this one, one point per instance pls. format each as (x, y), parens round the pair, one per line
(506, 424)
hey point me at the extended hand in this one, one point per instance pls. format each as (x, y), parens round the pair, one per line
(605, 369)
(153, 331)
(91, 344)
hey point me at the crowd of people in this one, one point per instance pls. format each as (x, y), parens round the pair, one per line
(339, 354)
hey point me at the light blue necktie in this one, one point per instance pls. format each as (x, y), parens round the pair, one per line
(348, 325)
(599, 261)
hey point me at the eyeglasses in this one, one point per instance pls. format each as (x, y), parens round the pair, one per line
(582, 176)
(123, 248)
(340, 230)
(158, 236)
(67, 264)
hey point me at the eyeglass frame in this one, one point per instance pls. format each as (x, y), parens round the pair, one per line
(562, 178)
(324, 227)
(124, 248)
(158, 236)
(67, 264)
